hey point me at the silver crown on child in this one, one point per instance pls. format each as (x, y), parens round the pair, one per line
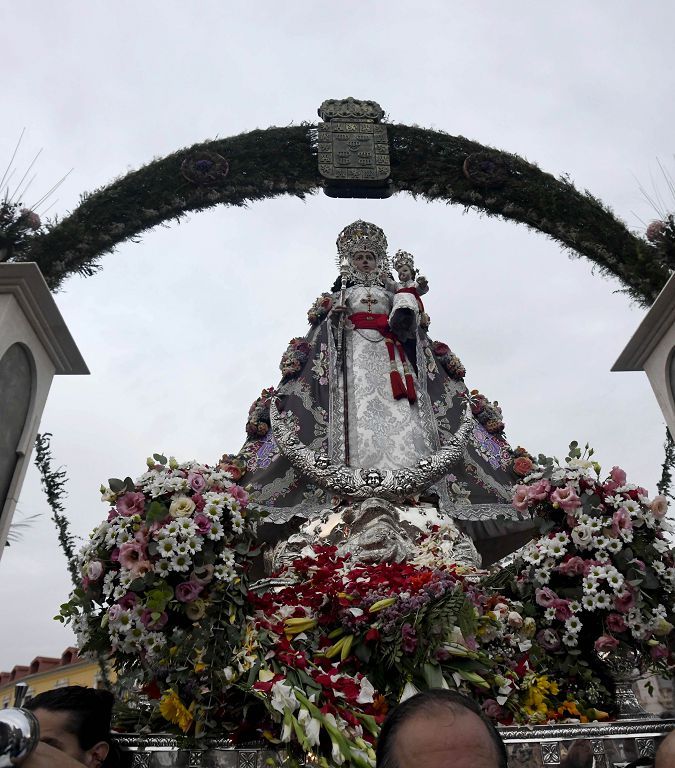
(403, 259)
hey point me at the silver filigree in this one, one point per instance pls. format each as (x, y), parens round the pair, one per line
(624, 666)
(361, 483)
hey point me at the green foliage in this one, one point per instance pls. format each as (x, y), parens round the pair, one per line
(279, 161)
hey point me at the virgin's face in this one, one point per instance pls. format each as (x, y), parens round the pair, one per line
(364, 261)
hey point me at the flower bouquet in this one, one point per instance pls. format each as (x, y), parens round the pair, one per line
(600, 578)
(164, 585)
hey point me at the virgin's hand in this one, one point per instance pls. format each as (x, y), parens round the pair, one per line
(46, 756)
(339, 309)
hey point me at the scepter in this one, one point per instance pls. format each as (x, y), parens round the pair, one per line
(344, 274)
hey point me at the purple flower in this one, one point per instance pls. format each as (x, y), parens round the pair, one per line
(197, 482)
(409, 638)
(548, 639)
(154, 624)
(188, 591)
(131, 503)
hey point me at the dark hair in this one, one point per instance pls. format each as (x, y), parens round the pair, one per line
(428, 703)
(89, 710)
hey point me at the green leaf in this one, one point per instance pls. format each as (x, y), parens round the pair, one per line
(159, 458)
(433, 675)
(156, 512)
(116, 485)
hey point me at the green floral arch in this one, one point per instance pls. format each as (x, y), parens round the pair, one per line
(283, 161)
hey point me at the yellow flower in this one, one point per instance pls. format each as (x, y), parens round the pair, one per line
(174, 711)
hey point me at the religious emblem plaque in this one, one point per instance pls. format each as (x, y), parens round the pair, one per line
(353, 149)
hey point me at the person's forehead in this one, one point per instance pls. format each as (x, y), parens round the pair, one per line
(52, 722)
(444, 738)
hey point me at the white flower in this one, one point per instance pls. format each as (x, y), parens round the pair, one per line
(614, 546)
(601, 542)
(582, 536)
(216, 531)
(615, 579)
(570, 640)
(556, 549)
(181, 506)
(283, 697)
(661, 546)
(562, 538)
(659, 566)
(573, 625)
(181, 562)
(163, 567)
(602, 599)
(588, 602)
(595, 524)
(310, 725)
(590, 585)
(549, 613)
(367, 692)
(597, 572)
(187, 527)
(166, 546)
(580, 464)
(533, 556)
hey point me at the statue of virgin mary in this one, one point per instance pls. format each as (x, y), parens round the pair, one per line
(367, 388)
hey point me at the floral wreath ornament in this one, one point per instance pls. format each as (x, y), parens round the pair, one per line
(362, 236)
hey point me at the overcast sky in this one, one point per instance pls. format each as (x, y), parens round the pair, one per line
(182, 330)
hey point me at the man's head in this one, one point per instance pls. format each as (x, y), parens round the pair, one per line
(439, 729)
(75, 720)
(665, 754)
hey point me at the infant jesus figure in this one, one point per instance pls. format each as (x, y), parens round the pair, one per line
(407, 306)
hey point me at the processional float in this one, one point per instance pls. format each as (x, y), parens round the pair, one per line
(212, 643)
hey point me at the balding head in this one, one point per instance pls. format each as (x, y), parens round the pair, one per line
(665, 754)
(436, 729)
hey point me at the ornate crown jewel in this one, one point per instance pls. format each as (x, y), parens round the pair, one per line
(363, 236)
(403, 259)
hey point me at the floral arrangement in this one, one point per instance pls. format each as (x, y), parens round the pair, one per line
(17, 226)
(523, 461)
(661, 233)
(164, 584)
(258, 422)
(601, 578)
(294, 358)
(320, 309)
(449, 360)
(488, 414)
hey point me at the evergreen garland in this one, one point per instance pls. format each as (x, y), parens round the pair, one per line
(53, 484)
(266, 163)
(665, 483)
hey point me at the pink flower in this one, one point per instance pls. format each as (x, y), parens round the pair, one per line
(199, 501)
(115, 555)
(239, 494)
(188, 591)
(30, 218)
(154, 624)
(605, 643)
(114, 612)
(196, 481)
(616, 623)
(203, 523)
(545, 596)
(131, 503)
(621, 521)
(625, 601)
(573, 566)
(659, 506)
(132, 557)
(492, 709)
(521, 499)
(562, 609)
(658, 652)
(128, 601)
(94, 570)
(548, 639)
(566, 498)
(539, 491)
(618, 476)
(656, 231)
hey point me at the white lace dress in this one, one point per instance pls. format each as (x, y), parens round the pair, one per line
(383, 432)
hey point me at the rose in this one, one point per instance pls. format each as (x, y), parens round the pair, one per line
(605, 643)
(515, 620)
(625, 601)
(29, 218)
(234, 472)
(203, 523)
(523, 466)
(521, 498)
(618, 476)
(492, 709)
(562, 609)
(616, 623)
(196, 481)
(659, 506)
(181, 506)
(154, 624)
(565, 498)
(548, 639)
(94, 570)
(440, 349)
(187, 591)
(656, 231)
(582, 536)
(132, 557)
(621, 521)
(545, 596)
(573, 566)
(539, 491)
(196, 610)
(239, 494)
(131, 503)
(658, 652)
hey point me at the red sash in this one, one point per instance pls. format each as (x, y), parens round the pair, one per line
(415, 293)
(380, 322)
